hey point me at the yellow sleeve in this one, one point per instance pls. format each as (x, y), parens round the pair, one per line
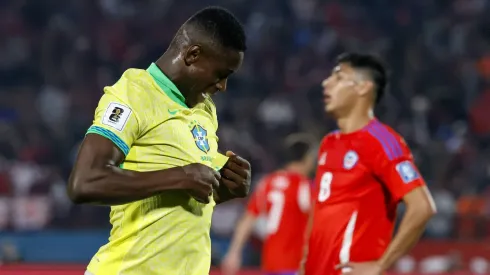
(219, 161)
(116, 118)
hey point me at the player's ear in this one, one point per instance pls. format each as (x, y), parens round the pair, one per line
(364, 88)
(192, 54)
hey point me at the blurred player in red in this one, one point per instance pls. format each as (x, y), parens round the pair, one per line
(365, 169)
(284, 198)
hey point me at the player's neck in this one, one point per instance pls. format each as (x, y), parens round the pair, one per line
(165, 63)
(355, 121)
(166, 66)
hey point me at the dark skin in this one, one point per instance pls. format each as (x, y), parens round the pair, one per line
(199, 69)
(235, 179)
(198, 66)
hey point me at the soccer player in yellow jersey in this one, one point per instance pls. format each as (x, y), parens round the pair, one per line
(151, 154)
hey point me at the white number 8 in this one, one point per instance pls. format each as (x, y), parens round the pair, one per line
(325, 186)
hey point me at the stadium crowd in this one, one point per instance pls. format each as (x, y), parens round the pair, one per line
(56, 57)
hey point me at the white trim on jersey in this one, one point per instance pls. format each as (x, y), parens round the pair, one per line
(304, 199)
(344, 255)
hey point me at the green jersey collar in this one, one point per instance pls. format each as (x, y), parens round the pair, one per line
(166, 84)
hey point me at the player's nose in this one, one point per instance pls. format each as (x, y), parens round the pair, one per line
(325, 83)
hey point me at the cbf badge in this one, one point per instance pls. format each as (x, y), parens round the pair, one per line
(200, 137)
(350, 159)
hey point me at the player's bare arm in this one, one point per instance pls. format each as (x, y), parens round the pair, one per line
(235, 179)
(97, 178)
(420, 208)
(232, 260)
(309, 226)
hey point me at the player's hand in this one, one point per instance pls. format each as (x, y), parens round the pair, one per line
(236, 175)
(364, 268)
(302, 265)
(301, 270)
(200, 181)
(231, 264)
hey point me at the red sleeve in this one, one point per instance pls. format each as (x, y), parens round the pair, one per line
(256, 202)
(252, 206)
(395, 168)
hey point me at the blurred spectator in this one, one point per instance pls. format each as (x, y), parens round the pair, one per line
(441, 263)
(479, 265)
(406, 264)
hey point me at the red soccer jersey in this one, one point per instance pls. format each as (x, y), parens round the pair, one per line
(284, 197)
(360, 179)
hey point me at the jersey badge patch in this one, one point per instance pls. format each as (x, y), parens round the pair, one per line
(407, 171)
(116, 116)
(200, 137)
(350, 159)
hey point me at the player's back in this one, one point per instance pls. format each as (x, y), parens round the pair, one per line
(283, 197)
(360, 178)
(145, 116)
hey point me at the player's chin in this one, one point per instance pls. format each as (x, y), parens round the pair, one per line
(329, 109)
(201, 97)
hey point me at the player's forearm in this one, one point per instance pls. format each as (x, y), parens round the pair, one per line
(309, 226)
(242, 233)
(112, 186)
(411, 228)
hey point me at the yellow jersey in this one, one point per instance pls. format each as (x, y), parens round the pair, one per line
(144, 114)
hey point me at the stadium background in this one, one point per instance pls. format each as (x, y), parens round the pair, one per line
(56, 56)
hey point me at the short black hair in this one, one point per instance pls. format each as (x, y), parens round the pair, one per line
(373, 65)
(297, 147)
(222, 26)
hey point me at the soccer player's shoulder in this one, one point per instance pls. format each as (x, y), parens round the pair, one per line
(380, 138)
(331, 136)
(132, 86)
(138, 90)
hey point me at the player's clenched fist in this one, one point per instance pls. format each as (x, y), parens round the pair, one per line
(236, 175)
(200, 180)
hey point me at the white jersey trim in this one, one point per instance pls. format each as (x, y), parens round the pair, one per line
(344, 255)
